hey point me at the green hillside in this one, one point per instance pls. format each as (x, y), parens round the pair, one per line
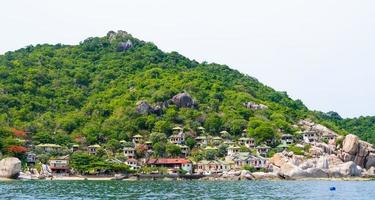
(88, 94)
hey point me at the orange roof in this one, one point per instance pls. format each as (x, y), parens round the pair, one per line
(162, 161)
(19, 133)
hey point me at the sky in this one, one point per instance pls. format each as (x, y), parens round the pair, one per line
(319, 51)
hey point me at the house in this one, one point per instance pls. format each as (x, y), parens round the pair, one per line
(310, 136)
(217, 140)
(229, 142)
(248, 142)
(47, 148)
(129, 152)
(133, 163)
(262, 150)
(31, 158)
(93, 149)
(202, 140)
(287, 139)
(172, 164)
(75, 148)
(59, 165)
(211, 167)
(177, 138)
(233, 150)
(245, 158)
(184, 150)
(177, 130)
(137, 139)
(201, 129)
(148, 145)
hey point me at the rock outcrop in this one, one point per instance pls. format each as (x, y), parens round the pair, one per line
(360, 152)
(10, 167)
(254, 106)
(344, 170)
(143, 107)
(123, 46)
(183, 100)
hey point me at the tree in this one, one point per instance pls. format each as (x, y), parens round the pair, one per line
(173, 150)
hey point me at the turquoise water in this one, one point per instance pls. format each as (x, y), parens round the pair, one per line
(187, 190)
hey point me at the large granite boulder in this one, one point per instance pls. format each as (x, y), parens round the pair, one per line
(350, 144)
(278, 159)
(316, 173)
(370, 160)
(344, 170)
(290, 171)
(10, 167)
(123, 46)
(143, 107)
(183, 100)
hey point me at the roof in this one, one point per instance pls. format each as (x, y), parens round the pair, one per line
(263, 146)
(282, 146)
(94, 146)
(217, 138)
(234, 147)
(138, 136)
(60, 158)
(201, 138)
(201, 128)
(244, 139)
(49, 145)
(177, 128)
(161, 161)
(223, 132)
(210, 148)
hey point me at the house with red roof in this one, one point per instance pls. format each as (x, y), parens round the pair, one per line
(172, 164)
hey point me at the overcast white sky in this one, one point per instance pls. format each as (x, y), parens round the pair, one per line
(319, 51)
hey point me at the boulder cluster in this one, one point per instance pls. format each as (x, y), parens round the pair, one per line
(181, 100)
(354, 159)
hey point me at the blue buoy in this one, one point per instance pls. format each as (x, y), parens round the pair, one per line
(332, 188)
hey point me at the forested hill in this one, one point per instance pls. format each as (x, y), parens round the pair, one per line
(116, 86)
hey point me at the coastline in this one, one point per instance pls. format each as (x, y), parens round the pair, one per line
(167, 178)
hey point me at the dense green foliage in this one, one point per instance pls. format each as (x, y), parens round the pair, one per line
(87, 94)
(364, 127)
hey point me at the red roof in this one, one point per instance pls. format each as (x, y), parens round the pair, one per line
(161, 161)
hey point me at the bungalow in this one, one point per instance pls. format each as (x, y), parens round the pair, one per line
(137, 139)
(93, 149)
(245, 158)
(217, 140)
(129, 152)
(201, 129)
(59, 165)
(310, 136)
(172, 164)
(202, 140)
(31, 158)
(248, 142)
(148, 145)
(233, 150)
(229, 142)
(75, 147)
(177, 130)
(287, 139)
(184, 150)
(211, 167)
(133, 163)
(47, 148)
(177, 138)
(262, 150)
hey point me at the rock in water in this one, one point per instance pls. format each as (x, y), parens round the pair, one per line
(350, 144)
(10, 167)
(183, 100)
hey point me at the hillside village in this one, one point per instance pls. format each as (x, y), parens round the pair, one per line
(304, 155)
